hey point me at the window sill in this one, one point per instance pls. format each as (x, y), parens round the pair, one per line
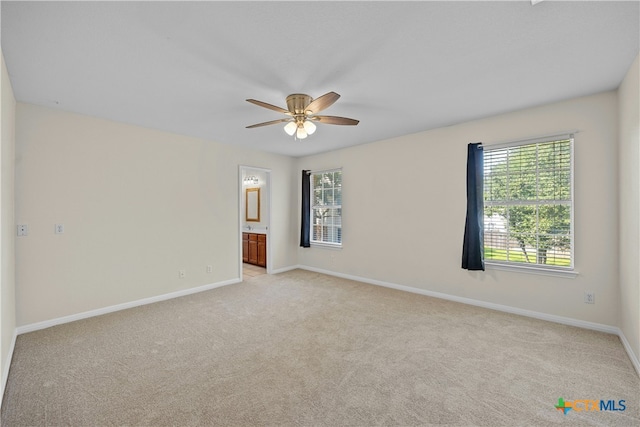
(567, 274)
(326, 245)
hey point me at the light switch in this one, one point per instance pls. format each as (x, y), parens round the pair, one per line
(22, 229)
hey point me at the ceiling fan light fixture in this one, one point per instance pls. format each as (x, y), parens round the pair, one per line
(309, 127)
(301, 133)
(290, 128)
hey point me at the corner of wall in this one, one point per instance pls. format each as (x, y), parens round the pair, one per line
(7, 238)
(629, 208)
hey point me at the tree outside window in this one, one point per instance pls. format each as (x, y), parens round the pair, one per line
(528, 204)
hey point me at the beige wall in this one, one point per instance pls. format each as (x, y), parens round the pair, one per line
(629, 100)
(404, 211)
(7, 228)
(137, 205)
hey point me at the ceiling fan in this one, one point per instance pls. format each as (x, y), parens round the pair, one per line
(302, 110)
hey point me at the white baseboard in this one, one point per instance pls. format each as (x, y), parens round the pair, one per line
(499, 307)
(92, 313)
(7, 366)
(634, 359)
(282, 270)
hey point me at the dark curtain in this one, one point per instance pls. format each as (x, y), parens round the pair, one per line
(473, 246)
(306, 210)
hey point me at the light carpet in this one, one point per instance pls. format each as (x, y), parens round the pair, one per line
(302, 348)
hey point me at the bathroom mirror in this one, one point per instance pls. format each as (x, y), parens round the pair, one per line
(252, 204)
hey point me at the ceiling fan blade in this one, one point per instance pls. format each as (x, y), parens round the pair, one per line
(269, 106)
(334, 120)
(322, 102)
(272, 122)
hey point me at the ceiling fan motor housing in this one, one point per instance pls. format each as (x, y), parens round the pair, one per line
(298, 102)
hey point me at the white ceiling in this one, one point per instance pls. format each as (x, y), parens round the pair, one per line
(401, 67)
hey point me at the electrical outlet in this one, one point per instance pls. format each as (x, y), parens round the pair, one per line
(182, 274)
(22, 230)
(589, 297)
(209, 268)
(59, 229)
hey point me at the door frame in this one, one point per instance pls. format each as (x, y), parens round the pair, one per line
(241, 170)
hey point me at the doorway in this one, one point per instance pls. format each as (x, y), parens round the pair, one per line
(254, 219)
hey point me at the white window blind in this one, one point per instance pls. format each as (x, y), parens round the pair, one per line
(528, 203)
(326, 207)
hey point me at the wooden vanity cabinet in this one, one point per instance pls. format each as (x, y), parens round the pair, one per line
(262, 250)
(254, 249)
(245, 247)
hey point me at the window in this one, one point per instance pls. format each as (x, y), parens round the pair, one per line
(326, 207)
(528, 203)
